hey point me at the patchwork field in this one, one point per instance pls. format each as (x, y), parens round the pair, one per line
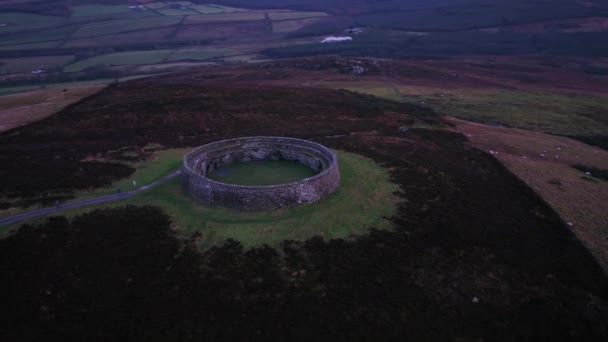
(107, 35)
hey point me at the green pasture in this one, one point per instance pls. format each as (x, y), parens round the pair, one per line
(364, 200)
(126, 25)
(21, 89)
(214, 9)
(199, 54)
(224, 17)
(155, 5)
(176, 11)
(27, 64)
(27, 18)
(93, 10)
(295, 15)
(137, 37)
(44, 35)
(16, 22)
(120, 58)
(286, 26)
(30, 46)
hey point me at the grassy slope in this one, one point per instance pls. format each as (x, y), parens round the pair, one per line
(93, 10)
(198, 54)
(352, 210)
(541, 111)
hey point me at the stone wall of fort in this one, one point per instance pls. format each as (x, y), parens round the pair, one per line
(205, 159)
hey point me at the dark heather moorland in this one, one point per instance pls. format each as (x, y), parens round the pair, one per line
(482, 113)
(124, 274)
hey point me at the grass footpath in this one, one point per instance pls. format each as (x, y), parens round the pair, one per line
(364, 200)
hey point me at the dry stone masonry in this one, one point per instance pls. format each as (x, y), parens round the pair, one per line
(205, 159)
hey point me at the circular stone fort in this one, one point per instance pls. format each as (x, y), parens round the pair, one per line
(200, 163)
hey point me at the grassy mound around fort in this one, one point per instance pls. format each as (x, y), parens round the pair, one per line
(365, 199)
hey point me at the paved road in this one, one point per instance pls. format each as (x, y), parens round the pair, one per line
(87, 202)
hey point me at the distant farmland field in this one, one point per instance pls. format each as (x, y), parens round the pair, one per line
(138, 37)
(43, 36)
(295, 15)
(19, 65)
(17, 22)
(32, 46)
(199, 54)
(92, 10)
(237, 16)
(118, 26)
(286, 26)
(27, 18)
(156, 36)
(221, 30)
(121, 58)
(214, 9)
(176, 11)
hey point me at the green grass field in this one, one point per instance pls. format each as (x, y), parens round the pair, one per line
(31, 46)
(120, 58)
(214, 9)
(126, 25)
(224, 17)
(93, 10)
(136, 37)
(262, 173)
(21, 89)
(55, 34)
(199, 54)
(27, 18)
(364, 200)
(286, 26)
(295, 15)
(176, 11)
(16, 22)
(27, 64)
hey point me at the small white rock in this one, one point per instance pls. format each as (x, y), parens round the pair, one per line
(475, 300)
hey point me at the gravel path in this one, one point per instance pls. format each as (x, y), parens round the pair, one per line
(83, 203)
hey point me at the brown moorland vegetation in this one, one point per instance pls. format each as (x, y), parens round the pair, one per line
(25, 108)
(545, 162)
(475, 253)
